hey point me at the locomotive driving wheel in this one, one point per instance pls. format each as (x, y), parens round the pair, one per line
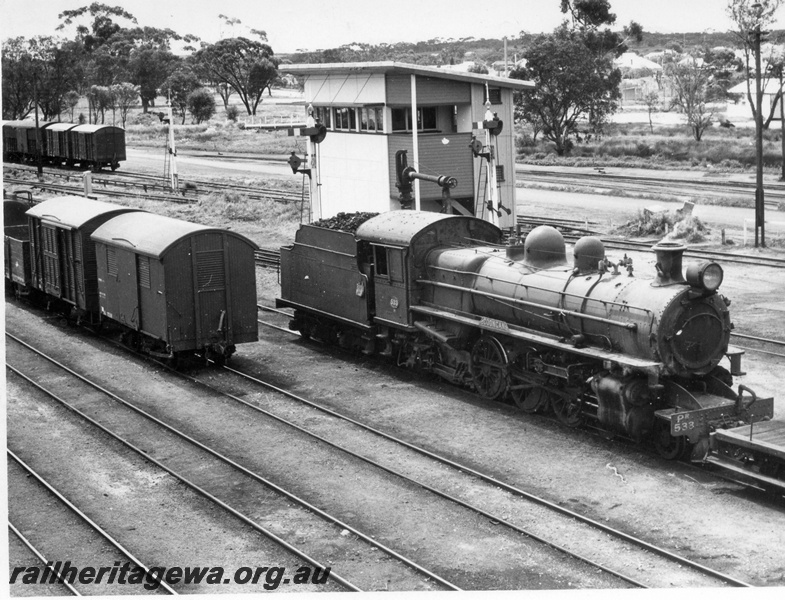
(531, 400)
(567, 410)
(489, 365)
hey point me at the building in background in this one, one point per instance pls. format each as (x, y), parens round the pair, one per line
(373, 110)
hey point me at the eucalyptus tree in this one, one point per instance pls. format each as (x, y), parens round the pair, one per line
(752, 19)
(573, 71)
(247, 66)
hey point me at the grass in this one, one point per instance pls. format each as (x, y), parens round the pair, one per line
(668, 146)
(268, 223)
(215, 135)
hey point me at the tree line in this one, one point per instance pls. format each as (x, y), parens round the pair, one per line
(117, 64)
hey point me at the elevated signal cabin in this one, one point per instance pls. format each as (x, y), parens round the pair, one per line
(371, 111)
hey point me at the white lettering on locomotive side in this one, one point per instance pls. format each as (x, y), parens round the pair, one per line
(497, 324)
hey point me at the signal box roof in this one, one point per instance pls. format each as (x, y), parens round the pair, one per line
(150, 234)
(404, 69)
(72, 212)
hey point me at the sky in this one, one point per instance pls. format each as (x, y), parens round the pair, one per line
(321, 24)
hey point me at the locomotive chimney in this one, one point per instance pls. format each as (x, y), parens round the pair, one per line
(669, 255)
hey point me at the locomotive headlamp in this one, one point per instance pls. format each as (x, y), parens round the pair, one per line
(706, 276)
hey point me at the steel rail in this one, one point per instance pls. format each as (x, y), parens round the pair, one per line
(304, 503)
(105, 534)
(267, 533)
(617, 180)
(43, 559)
(398, 474)
(423, 485)
(492, 480)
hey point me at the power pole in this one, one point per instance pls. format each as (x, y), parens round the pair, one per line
(760, 235)
(38, 160)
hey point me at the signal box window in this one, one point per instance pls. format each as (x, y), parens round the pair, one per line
(495, 95)
(402, 119)
(323, 114)
(345, 119)
(371, 119)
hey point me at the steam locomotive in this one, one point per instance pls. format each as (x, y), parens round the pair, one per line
(586, 339)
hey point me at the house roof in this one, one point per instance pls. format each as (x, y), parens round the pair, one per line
(630, 60)
(385, 67)
(771, 87)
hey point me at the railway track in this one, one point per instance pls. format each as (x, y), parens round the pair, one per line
(720, 470)
(134, 184)
(775, 192)
(673, 565)
(66, 511)
(206, 457)
(573, 525)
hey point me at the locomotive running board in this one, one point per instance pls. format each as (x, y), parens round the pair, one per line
(513, 331)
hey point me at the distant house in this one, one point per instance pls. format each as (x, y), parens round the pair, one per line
(739, 106)
(629, 61)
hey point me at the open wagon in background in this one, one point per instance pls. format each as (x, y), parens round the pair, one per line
(177, 287)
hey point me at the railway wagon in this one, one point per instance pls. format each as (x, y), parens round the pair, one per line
(16, 240)
(9, 140)
(177, 286)
(97, 146)
(28, 136)
(58, 147)
(63, 255)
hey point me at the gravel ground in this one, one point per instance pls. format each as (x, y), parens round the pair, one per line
(687, 510)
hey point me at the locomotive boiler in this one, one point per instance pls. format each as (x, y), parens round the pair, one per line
(585, 338)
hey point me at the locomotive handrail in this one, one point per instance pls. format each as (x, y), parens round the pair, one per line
(542, 289)
(629, 326)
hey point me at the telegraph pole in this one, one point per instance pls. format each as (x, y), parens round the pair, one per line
(760, 223)
(38, 161)
(172, 150)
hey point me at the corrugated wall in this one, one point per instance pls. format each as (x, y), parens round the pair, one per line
(436, 158)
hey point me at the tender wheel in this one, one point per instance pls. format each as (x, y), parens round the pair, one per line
(530, 400)
(567, 410)
(489, 367)
(669, 447)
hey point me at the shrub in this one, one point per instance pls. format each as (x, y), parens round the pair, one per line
(201, 104)
(232, 113)
(669, 223)
(145, 119)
